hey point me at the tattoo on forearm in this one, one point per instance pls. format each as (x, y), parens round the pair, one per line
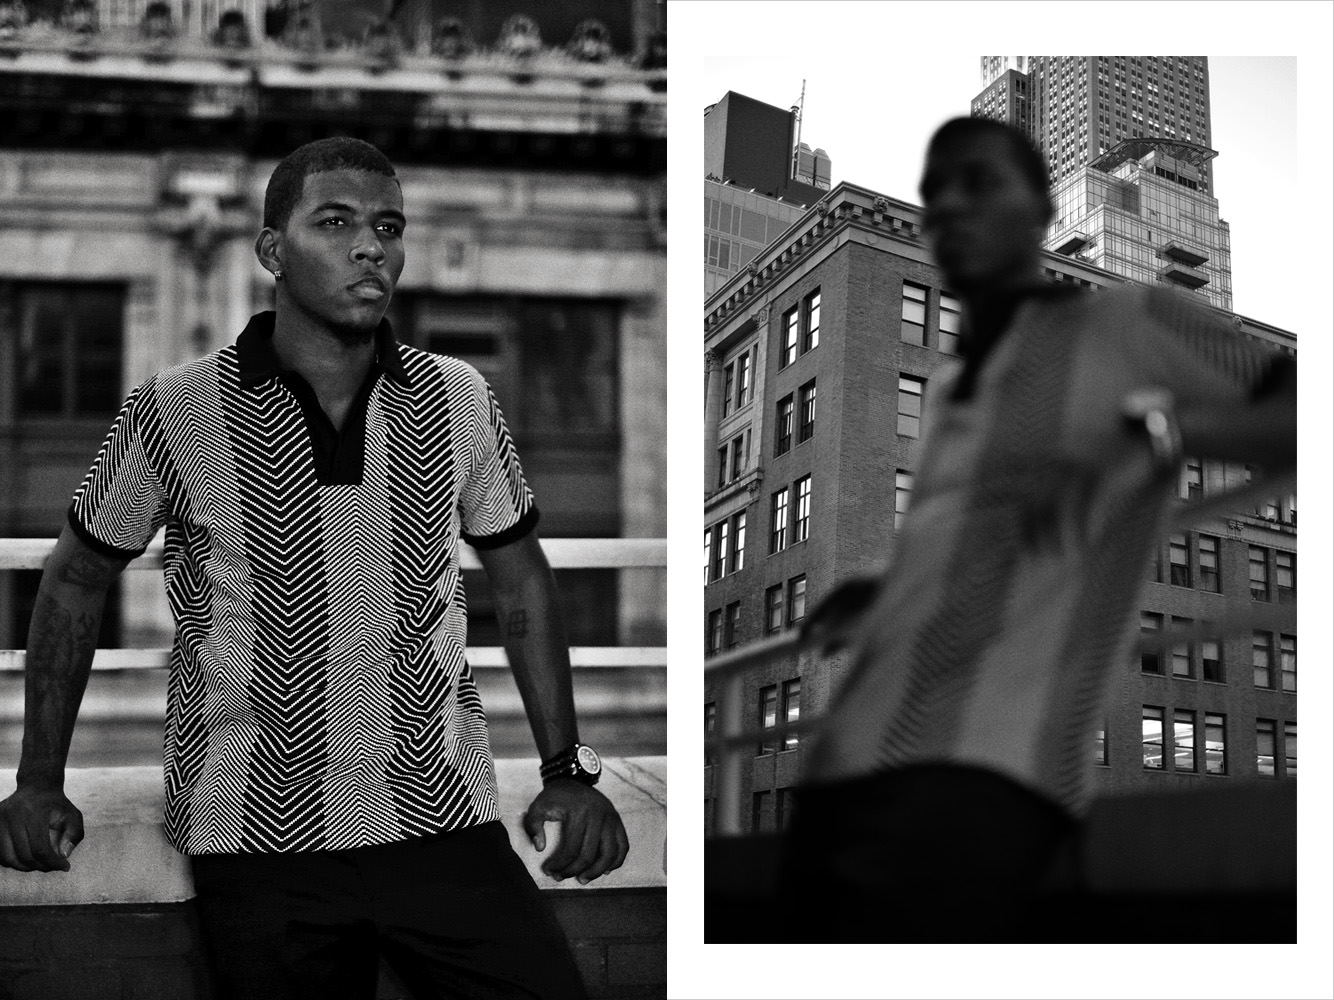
(516, 624)
(87, 570)
(61, 639)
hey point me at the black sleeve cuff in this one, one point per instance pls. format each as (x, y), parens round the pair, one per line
(513, 533)
(96, 544)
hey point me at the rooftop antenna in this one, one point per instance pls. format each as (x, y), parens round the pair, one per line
(798, 110)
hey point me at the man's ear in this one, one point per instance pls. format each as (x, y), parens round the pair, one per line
(266, 250)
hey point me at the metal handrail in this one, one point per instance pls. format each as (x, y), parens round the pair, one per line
(562, 553)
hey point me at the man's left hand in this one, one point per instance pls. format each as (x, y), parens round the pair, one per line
(592, 837)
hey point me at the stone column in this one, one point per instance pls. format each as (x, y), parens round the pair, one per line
(713, 410)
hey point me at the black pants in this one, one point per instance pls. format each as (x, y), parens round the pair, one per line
(922, 854)
(454, 914)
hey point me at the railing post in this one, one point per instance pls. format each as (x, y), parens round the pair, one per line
(730, 759)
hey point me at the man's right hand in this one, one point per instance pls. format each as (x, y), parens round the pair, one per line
(39, 829)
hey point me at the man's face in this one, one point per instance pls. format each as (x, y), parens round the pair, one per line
(341, 251)
(984, 220)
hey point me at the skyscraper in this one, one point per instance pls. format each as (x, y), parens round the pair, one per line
(758, 181)
(1126, 140)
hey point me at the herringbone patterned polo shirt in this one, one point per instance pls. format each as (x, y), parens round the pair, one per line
(318, 693)
(1010, 600)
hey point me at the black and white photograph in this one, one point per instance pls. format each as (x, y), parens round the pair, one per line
(333, 499)
(1000, 600)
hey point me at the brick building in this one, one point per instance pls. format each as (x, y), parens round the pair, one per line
(816, 360)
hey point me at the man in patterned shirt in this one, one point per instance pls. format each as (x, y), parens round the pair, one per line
(952, 766)
(326, 757)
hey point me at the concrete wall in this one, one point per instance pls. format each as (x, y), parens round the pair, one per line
(121, 925)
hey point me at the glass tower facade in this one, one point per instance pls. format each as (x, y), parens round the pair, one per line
(1126, 139)
(1139, 212)
(738, 224)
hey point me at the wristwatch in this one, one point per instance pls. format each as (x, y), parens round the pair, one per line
(1151, 412)
(579, 762)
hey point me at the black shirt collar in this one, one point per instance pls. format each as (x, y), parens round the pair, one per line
(982, 332)
(259, 361)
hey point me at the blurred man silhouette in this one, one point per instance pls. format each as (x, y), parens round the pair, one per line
(952, 768)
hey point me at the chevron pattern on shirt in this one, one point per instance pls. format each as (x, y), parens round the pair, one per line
(998, 525)
(318, 695)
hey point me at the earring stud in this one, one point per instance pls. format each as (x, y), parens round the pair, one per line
(278, 275)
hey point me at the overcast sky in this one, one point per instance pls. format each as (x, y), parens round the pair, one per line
(879, 78)
(873, 98)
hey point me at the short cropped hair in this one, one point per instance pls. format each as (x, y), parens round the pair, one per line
(337, 153)
(1029, 160)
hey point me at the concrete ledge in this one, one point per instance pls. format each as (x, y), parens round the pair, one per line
(1212, 865)
(125, 859)
(1230, 839)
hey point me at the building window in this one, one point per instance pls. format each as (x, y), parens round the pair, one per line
(720, 534)
(910, 405)
(708, 554)
(811, 334)
(731, 624)
(773, 608)
(729, 385)
(762, 812)
(778, 521)
(738, 541)
(1100, 745)
(1290, 749)
(714, 638)
(1285, 575)
(803, 509)
(745, 387)
(1152, 727)
(791, 710)
(949, 323)
(1259, 573)
(1215, 743)
(913, 328)
(784, 810)
(783, 430)
(1287, 661)
(768, 716)
(68, 344)
(791, 326)
(902, 496)
(1183, 739)
(806, 428)
(1150, 652)
(740, 454)
(1262, 658)
(796, 599)
(1181, 658)
(1211, 660)
(1192, 480)
(1179, 559)
(710, 727)
(1266, 734)
(1209, 564)
(722, 466)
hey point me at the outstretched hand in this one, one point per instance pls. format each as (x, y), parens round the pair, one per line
(592, 837)
(39, 829)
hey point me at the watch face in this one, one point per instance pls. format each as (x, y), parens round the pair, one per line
(589, 760)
